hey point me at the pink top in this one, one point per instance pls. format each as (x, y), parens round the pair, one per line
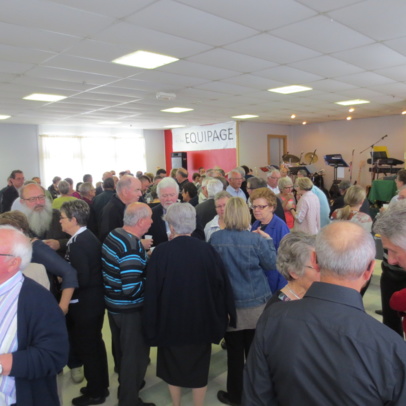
(308, 214)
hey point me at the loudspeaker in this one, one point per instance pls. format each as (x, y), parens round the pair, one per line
(179, 160)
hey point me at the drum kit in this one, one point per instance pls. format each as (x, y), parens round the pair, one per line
(293, 160)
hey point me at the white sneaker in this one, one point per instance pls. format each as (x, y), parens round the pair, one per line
(77, 374)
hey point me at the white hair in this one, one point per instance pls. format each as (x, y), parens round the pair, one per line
(182, 217)
(39, 221)
(166, 183)
(344, 249)
(213, 187)
(21, 246)
(392, 224)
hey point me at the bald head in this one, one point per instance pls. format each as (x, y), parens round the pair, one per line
(17, 251)
(344, 249)
(129, 189)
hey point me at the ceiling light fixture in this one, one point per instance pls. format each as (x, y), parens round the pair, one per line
(304, 122)
(4, 117)
(177, 110)
(290, 89)
(349, 118)
(293, 116)
(44, 97)
(175, 126)
(145, 60)
(245, 116)
(352, 102)
(109, 122)
(404, 112)
(351, 110)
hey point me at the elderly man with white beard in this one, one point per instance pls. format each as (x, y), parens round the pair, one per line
(43, 220)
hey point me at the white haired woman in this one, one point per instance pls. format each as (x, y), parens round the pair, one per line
(188, 302)
(307, 212)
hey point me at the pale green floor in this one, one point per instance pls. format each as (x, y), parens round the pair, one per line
(156, 391)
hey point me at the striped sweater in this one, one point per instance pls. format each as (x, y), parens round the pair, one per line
(124, 262)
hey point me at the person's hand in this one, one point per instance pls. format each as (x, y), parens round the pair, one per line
(54, 244)
(65, 309)
(147, 243)
(262, 234)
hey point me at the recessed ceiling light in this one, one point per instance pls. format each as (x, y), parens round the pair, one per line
(349, 118)
(290, 89)
(245, 116)
(175, 126)
(110, 122)
(352, 102)
(44, 97)
(145, 59)
(4, 117)
(351, 110)
(177, 110)
(404, 112)
(304, 122)
(293, 116)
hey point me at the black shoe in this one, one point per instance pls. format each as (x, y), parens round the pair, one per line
(141, 403)
(223, 397)
(83, 391)
(223, 344)
(85, 400)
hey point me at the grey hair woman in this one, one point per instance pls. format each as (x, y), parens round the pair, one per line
(188, 300)
(294, 263)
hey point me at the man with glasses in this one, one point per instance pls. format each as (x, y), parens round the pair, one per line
(33, 336)
(11, 192)
(42, 219)
(235, 179)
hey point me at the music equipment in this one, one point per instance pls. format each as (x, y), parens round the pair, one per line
(310, 158)
(387, 161)
(384, 170)
(289, 158)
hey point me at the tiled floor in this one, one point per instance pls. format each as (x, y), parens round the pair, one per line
(156, 391)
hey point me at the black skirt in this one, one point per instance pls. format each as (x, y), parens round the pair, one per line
(185, 366)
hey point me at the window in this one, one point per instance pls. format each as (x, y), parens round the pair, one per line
(73, 156)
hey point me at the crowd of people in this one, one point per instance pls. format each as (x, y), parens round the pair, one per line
(266, 263)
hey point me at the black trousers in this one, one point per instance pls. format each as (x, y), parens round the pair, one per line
(238, 345)
(132, 354)
(85, 332)
(391, 282)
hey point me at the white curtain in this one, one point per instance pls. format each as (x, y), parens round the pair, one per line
(73, 156)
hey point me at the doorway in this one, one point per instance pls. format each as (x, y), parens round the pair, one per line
(277, 147)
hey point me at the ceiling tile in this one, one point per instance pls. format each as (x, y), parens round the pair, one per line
(322, 34)
(199, 26)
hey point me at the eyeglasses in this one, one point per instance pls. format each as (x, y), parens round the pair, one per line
(165, 196)
(35, 198)
(220, 207)
(62, 218)
(310, 267)
(236, 178)
(7, 255)
(260, 207)
(288, 187)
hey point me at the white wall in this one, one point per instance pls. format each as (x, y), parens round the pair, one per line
(341, 137)
(19, 150)
(252, 143)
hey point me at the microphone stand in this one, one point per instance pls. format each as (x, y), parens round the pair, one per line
(372, 154)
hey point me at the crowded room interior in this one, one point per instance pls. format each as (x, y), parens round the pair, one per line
(213, 198)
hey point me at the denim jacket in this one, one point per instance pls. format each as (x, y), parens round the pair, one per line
(246, 256)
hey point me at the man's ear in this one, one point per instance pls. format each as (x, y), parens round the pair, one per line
(15, 264)
(370, 270)
(313, 260)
